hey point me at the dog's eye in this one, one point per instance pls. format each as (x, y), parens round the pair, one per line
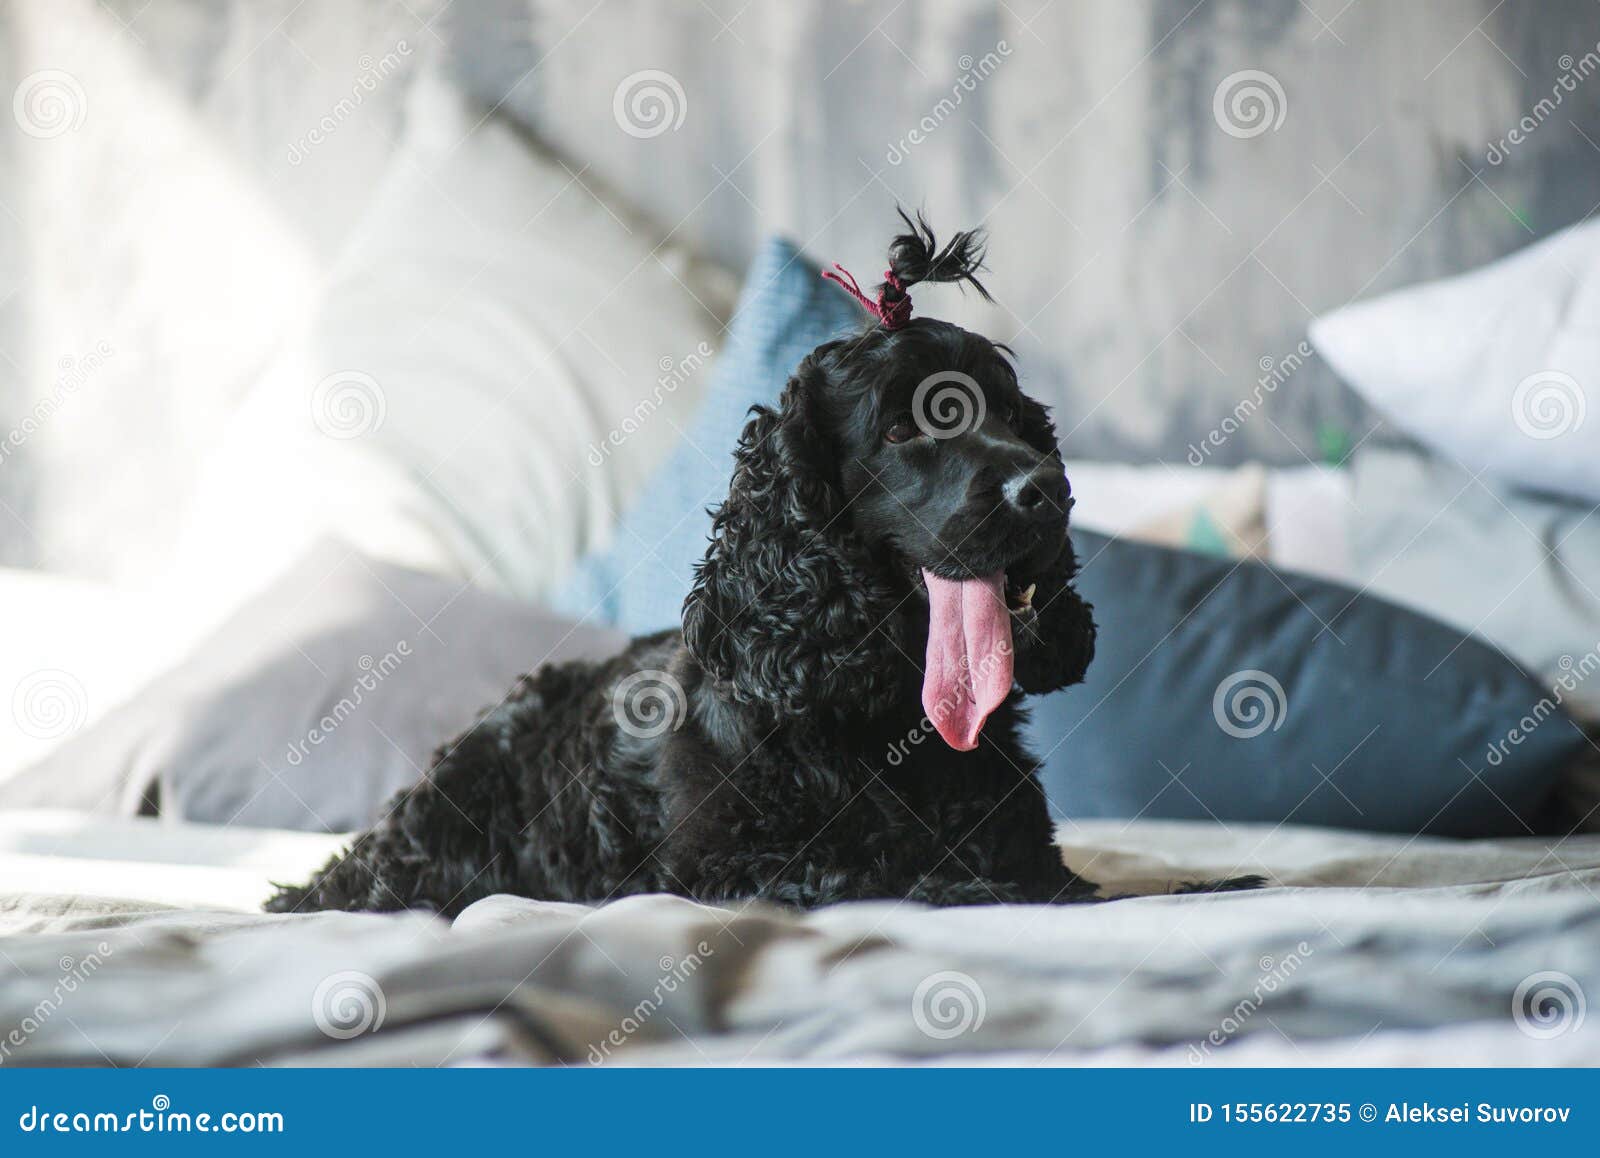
(902, 429)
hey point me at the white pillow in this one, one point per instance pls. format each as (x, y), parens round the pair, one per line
(491, 334)
(1495, 369)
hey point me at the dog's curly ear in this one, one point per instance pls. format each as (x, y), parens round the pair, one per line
(786, 598)
(1064, 632)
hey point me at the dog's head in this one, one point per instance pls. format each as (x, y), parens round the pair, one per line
(900, 518)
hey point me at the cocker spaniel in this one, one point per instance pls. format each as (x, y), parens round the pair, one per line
(839, 716)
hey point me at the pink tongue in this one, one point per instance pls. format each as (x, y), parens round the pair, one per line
(969, 655)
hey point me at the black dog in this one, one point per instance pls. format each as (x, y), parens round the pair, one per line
(892, 561)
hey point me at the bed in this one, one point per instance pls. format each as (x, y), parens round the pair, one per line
(1364, 950)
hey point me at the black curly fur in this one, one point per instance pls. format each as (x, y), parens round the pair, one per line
(797, 766)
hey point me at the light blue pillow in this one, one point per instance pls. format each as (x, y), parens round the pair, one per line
(639, 582)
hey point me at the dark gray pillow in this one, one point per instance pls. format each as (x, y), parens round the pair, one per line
(311, 705)
(1217, 692)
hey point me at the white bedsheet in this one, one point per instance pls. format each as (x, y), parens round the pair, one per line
(1367, 949)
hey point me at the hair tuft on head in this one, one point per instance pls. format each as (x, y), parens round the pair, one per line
(915, 256)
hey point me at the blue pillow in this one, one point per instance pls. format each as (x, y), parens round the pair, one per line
(1378, 714)
(639, 582)
(1216, 693)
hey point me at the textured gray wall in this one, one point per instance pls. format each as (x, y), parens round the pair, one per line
(1148, 262)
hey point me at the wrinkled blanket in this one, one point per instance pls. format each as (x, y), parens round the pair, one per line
(1379, 950)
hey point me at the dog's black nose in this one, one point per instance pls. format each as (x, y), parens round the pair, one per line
(1038, 493)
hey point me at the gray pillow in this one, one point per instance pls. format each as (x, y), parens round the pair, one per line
(1519, 568)
(312, 704)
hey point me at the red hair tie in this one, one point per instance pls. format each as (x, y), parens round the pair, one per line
(892, 313)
